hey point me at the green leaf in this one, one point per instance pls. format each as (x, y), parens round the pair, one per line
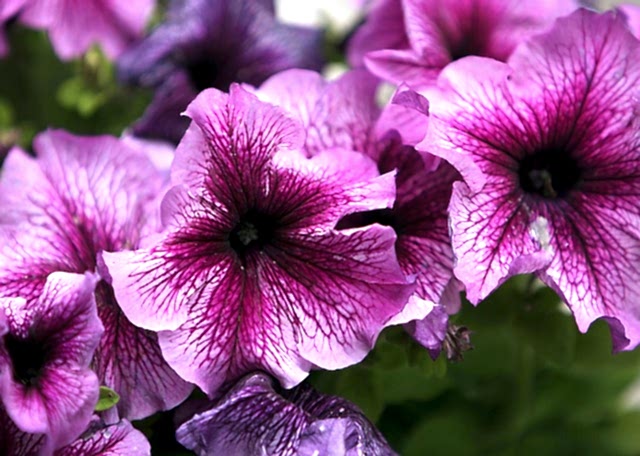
(108, 398)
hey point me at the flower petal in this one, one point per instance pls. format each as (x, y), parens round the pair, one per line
(114, 23)
(136, 370)
(255, 132)
(112, 440)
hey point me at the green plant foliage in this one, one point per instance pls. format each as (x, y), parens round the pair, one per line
(38, 91)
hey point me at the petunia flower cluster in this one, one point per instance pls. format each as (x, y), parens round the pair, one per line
(299, 217)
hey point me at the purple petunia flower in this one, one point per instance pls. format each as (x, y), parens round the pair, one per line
(253, 418)
(46, 386)
(82, 195)
(343, 114)
(212, 43)
(547, 145)
(100, 439)
(440, 31)
(74, 26)
(251, 273)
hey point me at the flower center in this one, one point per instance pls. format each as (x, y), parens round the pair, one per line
(253, 232)
(464, 48)
(550, 173)
(203, 73)
(27, 357)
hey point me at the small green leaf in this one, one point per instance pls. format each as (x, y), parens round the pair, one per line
(108, 398)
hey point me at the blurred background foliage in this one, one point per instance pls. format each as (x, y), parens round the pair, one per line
(532, 385)
(38, 91)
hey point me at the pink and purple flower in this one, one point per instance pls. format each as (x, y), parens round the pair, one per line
(251, 272)
(75, 26)
(440, 32)
(82, 195)
(548, 147)
(46, 386)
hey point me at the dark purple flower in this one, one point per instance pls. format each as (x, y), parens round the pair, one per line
(548, 147)
(212, 43)
(251, 273)
(46, 346)
(440, 32)
(119, 439)
(343, 114)
(78, 197)
(74, 25)
(255, 419)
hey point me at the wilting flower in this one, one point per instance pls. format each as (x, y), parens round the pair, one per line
(8, 9)
(74, 26)
(254, 418)
(82, 195)
(205, 43)
(108, 440)
(251, 273)
(46, 346)
(548, 147)
(343, 114)
(441, 31)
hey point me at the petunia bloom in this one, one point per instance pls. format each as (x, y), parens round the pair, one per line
(74, 26)
(98, 439)
(205, 43)
(46, 346)
(441, 31)
(82, 195)
(102, 439)
(251, 273)
(547, 145)
(343, 114)
(255, 418)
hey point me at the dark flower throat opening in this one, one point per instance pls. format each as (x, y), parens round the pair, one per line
(253, 232)
(550, 173)
(203, 74)
(28, 358)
